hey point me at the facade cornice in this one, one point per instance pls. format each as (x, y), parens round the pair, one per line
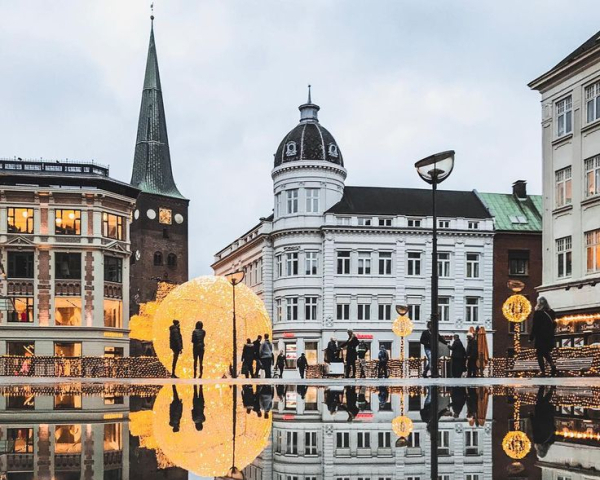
(404, 231)
(307, 165)
(240, 250)
(556, 75)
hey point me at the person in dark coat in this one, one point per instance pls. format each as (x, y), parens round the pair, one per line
(458, 398)
(198, 336)
(351, 407)
(175, 411)
(425, 340)
(331, 352)
(248, 357)
(176, 344)
(302, 364)
(542, 334)
(457, 357)
(266, 399)
(248, 397)
(257, 366)
(382, 363)
(351, 354)
(471, 353)
(361, 352)
(198, 416)
(266, 356)
(542, 422)
(280, 365)
(302, 389)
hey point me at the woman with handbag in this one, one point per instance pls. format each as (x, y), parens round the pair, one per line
(542, 334)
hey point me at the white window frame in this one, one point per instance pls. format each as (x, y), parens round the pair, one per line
(443, 224)
(278, 310)
(311, 263)
(564, 116)
(472, 309)
(443, 264)
(291, 264)
(472, 225)
(385, 222)
(342, 440)
(291, 197)
(384, 439)
(312, 200)
(343, 258)
(471, 442)
(413, 267)
(291, 443)
(291, 309)
(473, 265)
(414, 311)
(592, 102)
(364, 263)
(444, 309)
(311, 443)
(414, 222)
(385, 311)
(564, 257)
(363, 440)
(278, 204)
(385, 263)
(363, 312)
(344, 220)
(279, 265)
(592, 176)
(311, 305)
(343, 311)
(365, 221)
(592, 251)
(563, 190)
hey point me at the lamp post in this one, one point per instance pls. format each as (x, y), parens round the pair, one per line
(434, 170)
(235, 278)
(234, 473)
(403, 327)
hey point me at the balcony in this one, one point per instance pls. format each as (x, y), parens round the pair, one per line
(113, 290)
(20, 288)
(68, 288)
(19, 462)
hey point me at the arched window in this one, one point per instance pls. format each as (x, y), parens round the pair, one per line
(158, 258)
(290, 149)
(333, 151)
(172, 260)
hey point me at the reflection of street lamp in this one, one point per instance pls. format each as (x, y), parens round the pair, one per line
(234, 473)
(235, 278)
(403, 327)
(516, 309)
(435, 169)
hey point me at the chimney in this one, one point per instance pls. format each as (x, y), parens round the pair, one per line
(520, 189)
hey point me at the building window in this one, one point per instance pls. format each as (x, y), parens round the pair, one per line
(414, 312)
(342, 440)
(290, 149)
(311, 262)
(592, 176)
(385, 222)
(68, 266)
(414, 264)
(310, 304)
(364, 311)
(592, 249)
(364, 263)
(113, 313)
(564, 116)
(343, 263)
(343, 220)
(291, 309)
(172, 261)
(472, 310)
(278, 310)
(385, 439)
(363, 440)
(23, 310)
(112, 226)
(292, 200)
(592, 102)
(278, 211)
(113, 269)
(67, 311)
(443, 223)
(414, 222)
(471, 442)
(158, 260)
(278, 441)
(563, 187)
(443, 264)
(473, 225)
(291, 261)
(444, 442)
(312, 200)
(20, 265)
(291, 444)
(113, 437)
(364, 221)
(310, 443)
(19, 440)
(563, 256)
(414, 439)
(68, 439)
(343, 311)
(21, 402)
(385, 311)
(518, 263)
(472, 265)
(385, 263)
(68, 222)
(20, 349)
(20, 220)
(444, 309)
(279, 265)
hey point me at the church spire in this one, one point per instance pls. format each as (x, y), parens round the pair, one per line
(152, 171)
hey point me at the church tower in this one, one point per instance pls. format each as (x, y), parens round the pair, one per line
(159, 230)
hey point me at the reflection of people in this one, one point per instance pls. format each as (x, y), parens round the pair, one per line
(383, 395)
(542, 422)
(542, 334)
(302, 364)
(471, 355)
(256, 344)
(331, 352)
(280, 363)
(266, 397)
(425, 340)
(351, 354)
(458, 397)
(247, 358)
(175, 411)
(383, 358)
(472, 402)
(457, 357)
(361, 352)
(302, 389)
(198, 336)
(351, 406)
(198, 407)
(248, 397)
(176, 344)
(266, 356)
(332, 400)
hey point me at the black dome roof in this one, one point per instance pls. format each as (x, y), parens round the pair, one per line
(308, 140)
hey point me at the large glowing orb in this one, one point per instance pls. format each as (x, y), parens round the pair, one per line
(209, 299)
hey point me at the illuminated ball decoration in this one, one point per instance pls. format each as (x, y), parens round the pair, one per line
(209, 452)
(516, 308)
(208, 299)
(402, 326)
(402, 426)
(516, 445)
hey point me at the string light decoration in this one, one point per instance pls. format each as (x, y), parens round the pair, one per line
(140, 325)
(576, 435)
(516, 309)
(590, 318)
(402, 327)
(402, 425)
(516, 444)
(208, 299)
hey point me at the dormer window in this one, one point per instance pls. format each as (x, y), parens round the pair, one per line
(290, 149)
(333, 150)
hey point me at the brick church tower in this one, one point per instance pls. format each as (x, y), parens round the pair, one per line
(159, 230)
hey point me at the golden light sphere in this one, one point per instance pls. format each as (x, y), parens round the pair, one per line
(402, 426)
(516, 308)
(209, 299)
(208, 452)
(402, 326)
(516, 444)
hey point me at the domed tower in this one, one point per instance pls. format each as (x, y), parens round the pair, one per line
(308, 175)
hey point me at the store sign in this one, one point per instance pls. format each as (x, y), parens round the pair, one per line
(289, 335)
(364, 336)
(364, 416)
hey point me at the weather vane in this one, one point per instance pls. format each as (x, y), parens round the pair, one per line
(152, 11)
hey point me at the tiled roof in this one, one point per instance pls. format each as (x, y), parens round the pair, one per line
(514, 214)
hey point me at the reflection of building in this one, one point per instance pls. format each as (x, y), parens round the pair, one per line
(517, 254)
(571, 182)
(333, 257)
(64, 242)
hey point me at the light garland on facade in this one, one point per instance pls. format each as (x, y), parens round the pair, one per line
(572, 434)
(588, 318)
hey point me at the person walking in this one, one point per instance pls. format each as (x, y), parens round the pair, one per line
(361, 352)
(198, 336)
(351, 354)
(266, 356)
(280, 364)
(256, 344)
(542, 334)
(457, 357)
(176, 344)
(471, 353)
(382, 365)
(248, 357)
(426, 342)
(331, 352)
(302, 364)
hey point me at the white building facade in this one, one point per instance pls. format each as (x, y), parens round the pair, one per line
(333, 258)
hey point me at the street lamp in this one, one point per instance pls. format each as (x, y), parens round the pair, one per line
(235, 278)
(435, 169)
(403, 327)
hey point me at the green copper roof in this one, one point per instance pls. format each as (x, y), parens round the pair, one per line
(512, 213)
(152, 160)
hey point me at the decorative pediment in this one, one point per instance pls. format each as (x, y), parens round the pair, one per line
(19, 241)
(117, 247)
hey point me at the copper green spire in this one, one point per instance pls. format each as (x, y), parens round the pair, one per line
(152, 171)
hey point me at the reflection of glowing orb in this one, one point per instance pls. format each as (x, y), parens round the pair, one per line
(516, 445)
(402, 426)
(208, 452)
(402, 326)
(516, 308)
(209, 299)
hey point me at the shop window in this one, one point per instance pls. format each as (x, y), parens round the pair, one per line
(20, 220)
(20, 265)
(68, 266)
(67, 402)
(311, 350)
(67, 349)
(291, 354)
(20, 349)
(68, 222)
(22, 310)
(112, 226)
(19, 440)
(113, 269)
(113, 352)
(20, 402)
(67, 311)
(311, 399)
(113, 313)
(172, 260)
(67, 439)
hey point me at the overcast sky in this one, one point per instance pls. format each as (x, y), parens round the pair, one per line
(396, 81)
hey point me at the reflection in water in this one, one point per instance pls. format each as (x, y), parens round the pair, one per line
(261, 432)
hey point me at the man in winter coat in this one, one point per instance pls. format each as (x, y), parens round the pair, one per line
(280, 363)
(471, 355)
(382, 366)
(266, 356)
(176, 344)
(248, 358)
(256, 344)
(351, 354)
(331, 353)
(426, 342)
(361, 352)
(302, 364)
(458, 357)
(198, 336)
(542, 334)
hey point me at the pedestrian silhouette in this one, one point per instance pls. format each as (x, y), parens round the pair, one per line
(248, 357)
(302, 364)
(248, 397)
(175, 411)
(302, 389)
(256, 344)
(198, 336)
(266, 356)
(176, 344)
(542, 422)
(280, 363)
(198, 416)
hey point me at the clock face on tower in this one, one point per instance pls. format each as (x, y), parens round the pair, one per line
(165, 215)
